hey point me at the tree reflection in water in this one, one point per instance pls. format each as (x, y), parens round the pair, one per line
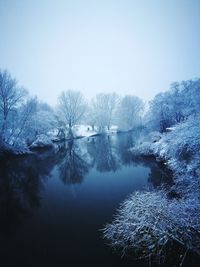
(103, 153)
(22, 178)
(19, 191)
(73, 167)
(125, 141)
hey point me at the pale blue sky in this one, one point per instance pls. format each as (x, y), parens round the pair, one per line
(128, 47)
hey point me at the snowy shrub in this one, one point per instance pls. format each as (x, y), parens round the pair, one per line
(185, 144)
(178, 148)
(42, 141)
(147, 221)
(145, 145)
(143, 149)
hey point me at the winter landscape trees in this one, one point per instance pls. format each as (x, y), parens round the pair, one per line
(175, 105)
(144, 224)
(171, 125)
(11, 95)
(72, 107)
(101, 112)
(129, 113)
(23, 117)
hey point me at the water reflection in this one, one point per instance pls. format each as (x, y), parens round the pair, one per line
(103, 154)
(20, 185)
(23, 178)
(124, 143)
(73, 167)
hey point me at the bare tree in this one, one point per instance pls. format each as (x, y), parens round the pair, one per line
(72, 107)
(129, 112)
(102, 110)
(10, 96)
(25, 120)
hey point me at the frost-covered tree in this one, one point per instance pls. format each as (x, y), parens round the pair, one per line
(102, 110)
(129, 112)
(158, 115)
(90, 117)
(34, 118)
(175, 105)
(11, 96)
(71, 107)
(24, 122)
(44, 119)
(191, 94)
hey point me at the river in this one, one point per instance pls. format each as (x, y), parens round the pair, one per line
(53, 204)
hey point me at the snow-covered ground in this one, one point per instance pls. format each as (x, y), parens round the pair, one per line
(179, 148)
(86, 130)
(147, 221)
(83, 131)
(46, 140)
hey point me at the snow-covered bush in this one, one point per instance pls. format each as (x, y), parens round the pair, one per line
(181, 146)
(42, 141)
(147, 221)
(145, 146)
(174, 106)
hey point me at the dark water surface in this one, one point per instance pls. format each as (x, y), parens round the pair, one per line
(54, 203)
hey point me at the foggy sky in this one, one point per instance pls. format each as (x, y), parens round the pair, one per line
(127, 47)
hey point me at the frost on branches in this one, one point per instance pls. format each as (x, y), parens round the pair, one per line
(147, 221)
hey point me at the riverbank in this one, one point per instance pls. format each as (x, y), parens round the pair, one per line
(147, 222)
(51, 138)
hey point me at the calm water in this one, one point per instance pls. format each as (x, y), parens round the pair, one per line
(54, 203)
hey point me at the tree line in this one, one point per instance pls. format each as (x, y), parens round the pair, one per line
(23, 117)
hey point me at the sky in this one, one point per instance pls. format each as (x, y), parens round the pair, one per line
(128, 47)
